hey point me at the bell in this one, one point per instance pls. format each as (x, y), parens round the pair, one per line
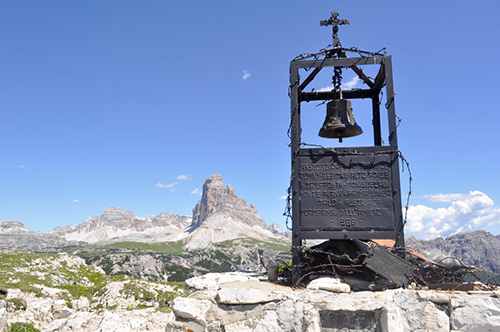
(339, 121)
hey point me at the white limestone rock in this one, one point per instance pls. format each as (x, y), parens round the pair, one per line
(329, 284)
(475, 313)
(39, 310)
(246, 295)
(268, 322)
(81, 304)
(61, 310)
(190, 308)
(435, 319)
(4, 325)
(211, 281)
(14, 293)
(79, 321)
(434, 297)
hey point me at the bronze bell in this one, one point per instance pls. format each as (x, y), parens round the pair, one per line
(339, 121)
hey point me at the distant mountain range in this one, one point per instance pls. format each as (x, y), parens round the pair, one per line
(220, 218)
(477, 248)
(220, 215)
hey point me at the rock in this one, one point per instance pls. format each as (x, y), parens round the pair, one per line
(475, 313)
(81, 304)
(435, 319)
(40, 309)
(4, 325)
(329, 284)
(55, 325)
(433, 296)
(61, 310)
(246, 295)
(80, 321)
(268, 322)
(211, 281)
(192, 309)
(14, 293)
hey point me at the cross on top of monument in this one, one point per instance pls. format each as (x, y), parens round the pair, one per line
(334, 21)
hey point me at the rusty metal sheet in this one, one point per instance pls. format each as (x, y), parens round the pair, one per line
(388, 265)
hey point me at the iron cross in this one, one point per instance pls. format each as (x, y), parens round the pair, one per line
(334, 22)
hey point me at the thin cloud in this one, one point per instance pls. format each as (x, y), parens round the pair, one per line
(196, 191)
(246, 75)
(326, 89)
(349, 85)
(21, 166)
(169, 185)
(284, 197)
(464, 212)
(76, 201)
(184, 177)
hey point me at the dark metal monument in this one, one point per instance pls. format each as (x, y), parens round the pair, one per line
(350, 193)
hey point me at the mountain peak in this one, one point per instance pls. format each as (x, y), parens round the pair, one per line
(12, 226)
(221, 215)
(214, 180)
(113, 214)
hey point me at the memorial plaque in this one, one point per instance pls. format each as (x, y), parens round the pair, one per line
(350, 190)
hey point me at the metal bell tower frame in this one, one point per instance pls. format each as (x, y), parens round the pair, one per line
(344, 193)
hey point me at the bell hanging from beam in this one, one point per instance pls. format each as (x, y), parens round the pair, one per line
(339, 121)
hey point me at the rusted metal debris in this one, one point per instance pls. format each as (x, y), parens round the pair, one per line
(377, 265)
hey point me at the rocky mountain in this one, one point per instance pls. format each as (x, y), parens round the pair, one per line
(14, 237)
(119, 225)
(11, 227)
(221, 215)
(477, 248)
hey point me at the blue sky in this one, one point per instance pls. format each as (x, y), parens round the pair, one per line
(133, 104)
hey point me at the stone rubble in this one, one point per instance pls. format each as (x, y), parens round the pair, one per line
(113, 310)
(242, 301)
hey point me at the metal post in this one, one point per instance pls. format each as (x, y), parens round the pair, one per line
(393, 142)
(295, 146)
(377, 135)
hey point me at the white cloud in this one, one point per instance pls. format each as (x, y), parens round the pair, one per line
(76, 201)
(21, 166)
(349, 85)
(169, 185)
(284, 197)
(184, 177)
(326, 89)
(196, 191)
(246, 75)
(465, 212)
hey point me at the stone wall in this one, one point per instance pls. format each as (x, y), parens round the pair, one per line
(247, 302)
